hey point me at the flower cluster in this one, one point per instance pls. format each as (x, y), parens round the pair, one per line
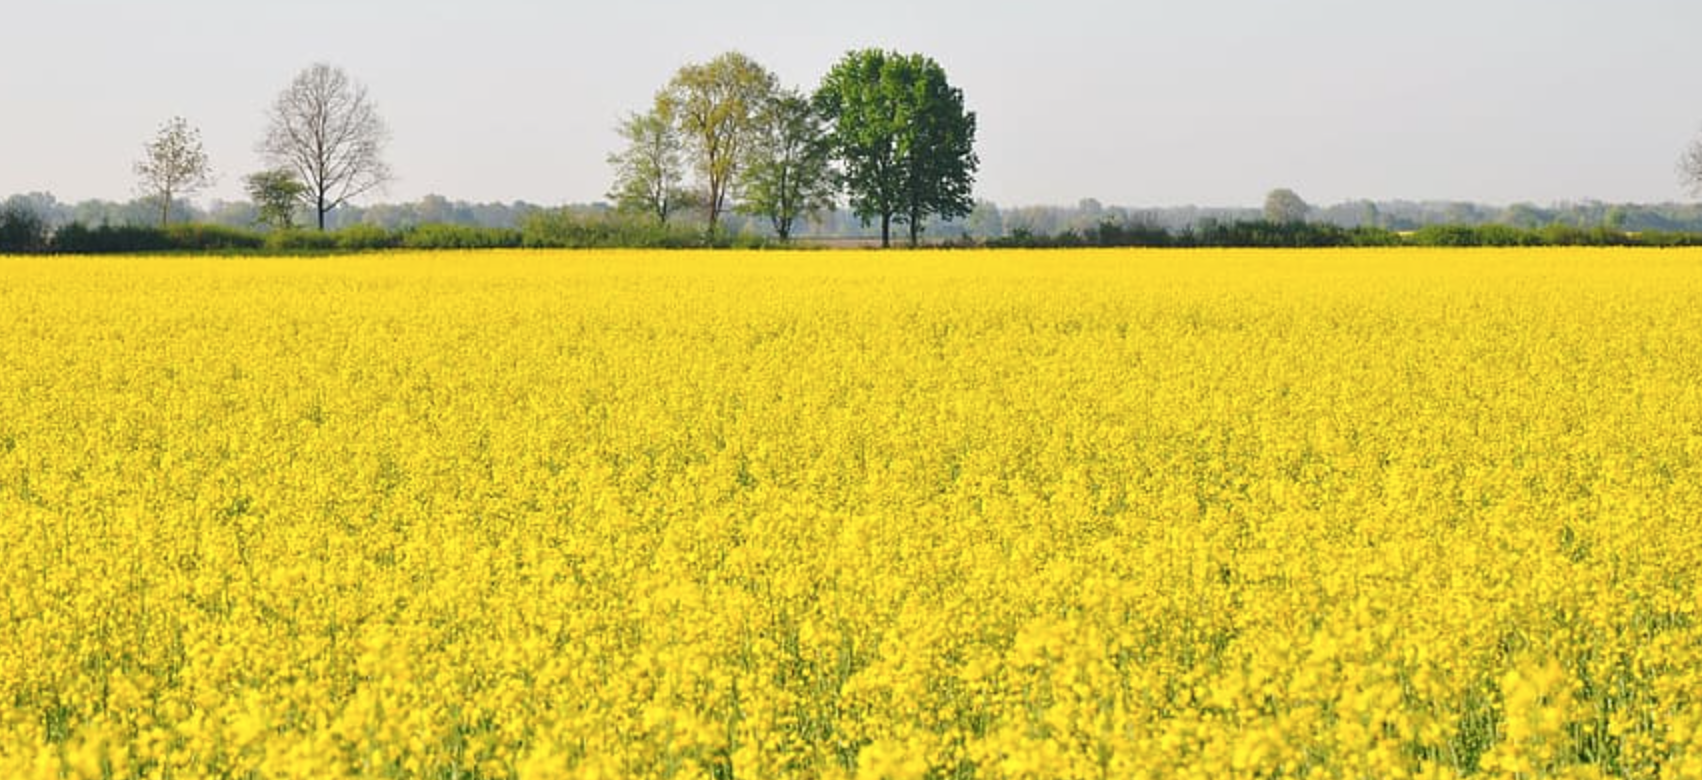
(1123, 514)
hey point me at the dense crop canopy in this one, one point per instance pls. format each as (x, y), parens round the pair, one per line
(1367, 514)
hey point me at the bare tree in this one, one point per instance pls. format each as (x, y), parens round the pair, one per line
(325, 130)
(173, 164)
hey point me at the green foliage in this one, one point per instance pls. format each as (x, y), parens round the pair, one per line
(275, 194)
(790, 175)
(211, 238)
(79, 239)
(1476, 235)
(438, 236)
(1209, 233)
(364, 238)
(903, 137)
(21, 230)
(650, 172)
(571, 229)
(298, 240)
(715, 106)
(1665, 238)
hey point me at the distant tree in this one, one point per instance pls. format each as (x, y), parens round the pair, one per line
(325, 130)
(902, 135)
(650, 173)
(275, 194)
(434, 209)
(1369, 216)
(716, 106)
(986, 221)
(1615, 217)
(1284, 207)
(1523, 215)
(173, 165)
(790, 173)
(1690, 167)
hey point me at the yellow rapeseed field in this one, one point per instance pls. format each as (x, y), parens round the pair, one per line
(1342, 514)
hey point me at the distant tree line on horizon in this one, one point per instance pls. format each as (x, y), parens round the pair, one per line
(39, 222)
(725, 155)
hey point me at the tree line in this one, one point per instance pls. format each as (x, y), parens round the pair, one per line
(886, 130)
(724, 154)
(324, 144)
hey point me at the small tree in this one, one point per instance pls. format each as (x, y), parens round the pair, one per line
(275, 195)
(790, 174)
(650, 172)
(173, 165)
(1284, 207)
(325, 130)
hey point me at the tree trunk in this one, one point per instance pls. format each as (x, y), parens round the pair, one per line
(886, 229)
(165, 208)
(716, 198)
(321, 207)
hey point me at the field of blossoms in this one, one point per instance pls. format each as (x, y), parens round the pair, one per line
(1238, 514)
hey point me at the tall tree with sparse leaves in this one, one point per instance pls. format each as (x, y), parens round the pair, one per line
(904, 140)
(325, 130)
(716, 107)
(173, 165)
(790, 173)
(650, 172)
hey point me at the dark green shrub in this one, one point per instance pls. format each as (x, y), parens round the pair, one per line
(1445, 235)
(364, 237)
(79, 239)
(300, 241)
(440, 236)
(211, 238)
(21, 230)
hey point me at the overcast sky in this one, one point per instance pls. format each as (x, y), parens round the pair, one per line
(1209, 102)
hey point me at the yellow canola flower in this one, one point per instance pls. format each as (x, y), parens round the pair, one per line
(1217, 514)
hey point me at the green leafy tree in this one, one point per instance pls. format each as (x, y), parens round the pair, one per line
(1284, 207)
(900, 131)
(275, 194)
(173, 165)
(716, 106)
(650, 173)
(790, 173)
(325, 130)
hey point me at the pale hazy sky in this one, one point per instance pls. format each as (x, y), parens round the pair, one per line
(1211, 102)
